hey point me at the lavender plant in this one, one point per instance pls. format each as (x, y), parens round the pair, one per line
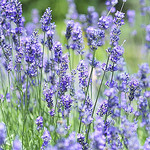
(62, 96)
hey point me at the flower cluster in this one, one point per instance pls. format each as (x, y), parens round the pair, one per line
(65, 96)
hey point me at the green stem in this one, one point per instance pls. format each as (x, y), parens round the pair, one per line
(87, 89)
(69, 55)
(97, 96)
(41, 77)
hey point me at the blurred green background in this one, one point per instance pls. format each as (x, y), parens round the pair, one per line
(60, 7)
(133, 45)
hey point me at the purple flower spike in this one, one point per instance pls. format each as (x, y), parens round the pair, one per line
(39, 122)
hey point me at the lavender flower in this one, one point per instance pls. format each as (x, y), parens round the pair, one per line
(50, 36)
(48, 93)
(17, 144)
(39, 122)
(147, 38)
(46, 138)
(131, 17)
(46, 19)
(114, 141)
(97, 137)
(81, 141)
(104, 22)
(64, 84)
(110, 5)
(69, 143)
(92, 16)
(118, 19)
(116, 53)
(2, 133)
(63, 66)
(57, 48)
(115, 31)
(33, 54)
(95, 37)
(69, 28)
(35, 16)
(147, 144)
(143, 75)
(133, 86)
(72, 12)
(83, 74)
(66, 103)
(77, 40)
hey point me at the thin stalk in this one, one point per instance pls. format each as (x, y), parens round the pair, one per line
(87, 89)
(100, 86)
(69, 55)
(40, 90)
(97, 97)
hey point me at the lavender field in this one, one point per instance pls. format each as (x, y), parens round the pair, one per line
(83, 84)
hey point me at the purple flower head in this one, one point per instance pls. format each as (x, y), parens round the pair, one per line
(147, 144)
(92, 16)
(48, 93)
(110, 5)
(33, 54)
(92, 37)
(33, 49)
(39, 122)
(116, 53)
(95, 37)
(30, 27)
(17, 145)
(35, 16)
(83, 19)
(81, 141)
(114, 2)
(72, 12)
(104, 22)
(147, 94)
(123, 78)
(66, 102)
(134, 84)
(119, 15)
(142, 105)
(63, 65)
(64, 84)
(118, 19)
(69, 143)
(83, 73)
(114, 141)
(50, 35)
(131, 17)
(7, 50)
(98, 140)
(46, 138)
(142, 74)
(69, 28)
(110, 92)
(142, 2)
(134, 139)
(103, 109)
(77, 40)
(2, 133)
(52, 112)
(144, 68)
(57, 48)
(13, 12)
(114, 35)
(46, 19)
(85, 112)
